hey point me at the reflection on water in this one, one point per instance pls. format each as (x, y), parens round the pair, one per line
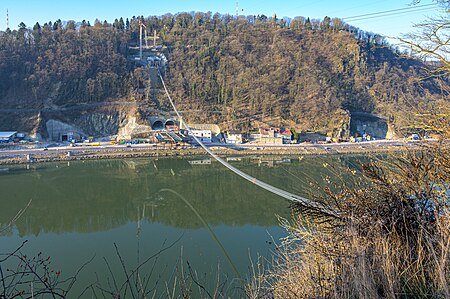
(79, 209)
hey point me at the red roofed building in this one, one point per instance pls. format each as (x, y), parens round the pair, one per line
(286, 135)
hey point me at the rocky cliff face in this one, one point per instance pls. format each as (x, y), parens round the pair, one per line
(101, 123)
(87, 121)
(99, 120)
(368, 124)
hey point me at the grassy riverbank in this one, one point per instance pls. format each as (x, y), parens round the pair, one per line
(388, 235)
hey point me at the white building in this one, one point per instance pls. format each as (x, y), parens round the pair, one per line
(203, 135)
(200, 162)
(233, 137)
(254, 137)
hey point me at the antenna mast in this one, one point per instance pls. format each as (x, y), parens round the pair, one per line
(7, 19)
(237, 9)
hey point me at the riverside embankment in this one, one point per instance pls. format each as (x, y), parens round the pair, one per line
(108, 151)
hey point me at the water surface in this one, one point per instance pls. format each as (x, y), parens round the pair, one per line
(82, 210)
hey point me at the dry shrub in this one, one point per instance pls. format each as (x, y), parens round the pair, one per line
(346, 264)
(390, 240)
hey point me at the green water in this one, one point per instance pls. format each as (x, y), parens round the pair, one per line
(79, 210)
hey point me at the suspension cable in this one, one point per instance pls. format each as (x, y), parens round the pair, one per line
(287, 195)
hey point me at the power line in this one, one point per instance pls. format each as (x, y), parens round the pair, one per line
(353, 7)
(389, 11)
(392, 14)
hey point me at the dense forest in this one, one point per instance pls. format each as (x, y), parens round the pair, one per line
(302, 72)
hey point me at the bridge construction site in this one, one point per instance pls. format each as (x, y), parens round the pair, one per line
(149, 53)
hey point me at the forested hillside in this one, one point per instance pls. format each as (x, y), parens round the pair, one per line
(307, 73)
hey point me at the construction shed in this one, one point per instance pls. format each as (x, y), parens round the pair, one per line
(7, 136)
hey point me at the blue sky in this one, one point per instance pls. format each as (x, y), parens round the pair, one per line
(32, 11)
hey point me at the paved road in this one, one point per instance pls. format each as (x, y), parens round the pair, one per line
(107, 147)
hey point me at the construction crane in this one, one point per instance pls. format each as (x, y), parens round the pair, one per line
(141, 26)
(155, 38)
(143, 36)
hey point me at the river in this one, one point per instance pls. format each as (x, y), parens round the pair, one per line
(205, 219)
